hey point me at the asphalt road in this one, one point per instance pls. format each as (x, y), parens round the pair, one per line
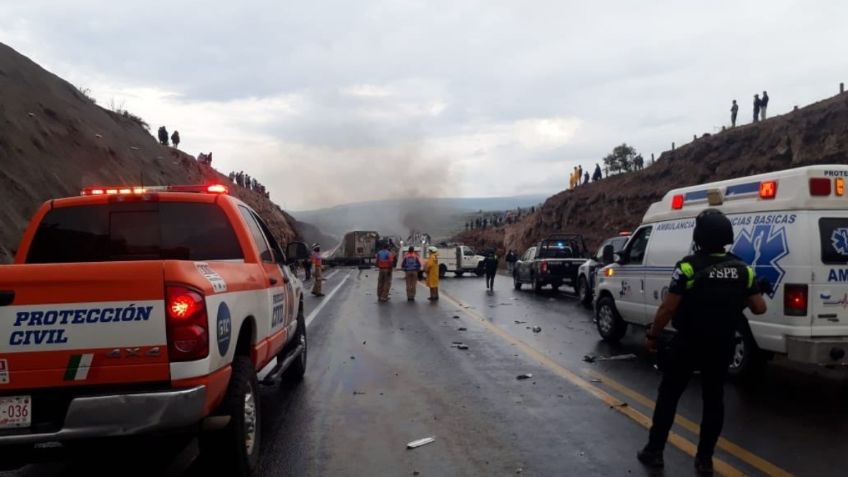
(382, 375)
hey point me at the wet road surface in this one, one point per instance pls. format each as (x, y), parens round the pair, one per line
(382, 375)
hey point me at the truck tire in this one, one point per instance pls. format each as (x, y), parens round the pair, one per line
(515, 281)
(443, 270)
(536, 285)
(459, 274)
(610, 325)
(748, 360)
(234, 450)
(297, 369)
(583, 293)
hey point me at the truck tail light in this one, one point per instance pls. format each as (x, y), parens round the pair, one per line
(187, 323)
(795, 300)
(543, 267)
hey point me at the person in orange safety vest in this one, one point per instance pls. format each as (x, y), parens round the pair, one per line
(385, 263)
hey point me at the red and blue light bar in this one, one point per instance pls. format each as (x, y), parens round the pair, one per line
(137, 190)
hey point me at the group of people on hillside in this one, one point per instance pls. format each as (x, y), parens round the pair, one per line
(163, 137)
(760, 107)
(579, 177)
(242, 179)
(498, 219)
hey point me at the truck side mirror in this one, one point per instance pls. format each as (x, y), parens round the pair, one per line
(608, 254)
(296, 251)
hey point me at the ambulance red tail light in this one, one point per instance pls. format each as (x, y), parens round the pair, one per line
(768, 190)
(677, 202)
(187, 323)
(820, 186)
(794, 300)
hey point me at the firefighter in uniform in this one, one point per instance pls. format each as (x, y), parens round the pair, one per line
(317, 272)
(708, 292)
(385, 263)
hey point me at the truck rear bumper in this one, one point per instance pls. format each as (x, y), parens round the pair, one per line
(825, 351)
(120, 415)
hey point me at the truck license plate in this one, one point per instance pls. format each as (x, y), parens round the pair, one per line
(15, 411)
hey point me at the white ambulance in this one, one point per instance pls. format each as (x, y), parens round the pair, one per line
(790, 226)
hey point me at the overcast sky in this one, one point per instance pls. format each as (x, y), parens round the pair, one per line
(330, 102)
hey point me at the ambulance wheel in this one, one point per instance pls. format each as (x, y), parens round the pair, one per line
(583, 293)
(298, 367)
(443, 270)
(234, 450)
(747, 359)
(515, 281)
(610, 325)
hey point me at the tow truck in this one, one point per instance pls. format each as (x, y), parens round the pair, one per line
(140, 310)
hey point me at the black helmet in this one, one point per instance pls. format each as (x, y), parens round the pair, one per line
(713, 230)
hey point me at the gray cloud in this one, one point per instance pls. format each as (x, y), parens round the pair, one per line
(318, 99)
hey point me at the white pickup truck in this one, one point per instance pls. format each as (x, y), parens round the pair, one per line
(459, 260)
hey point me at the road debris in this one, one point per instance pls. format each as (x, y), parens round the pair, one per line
(462, 328)
(519, 322)
(420, 442)
(596, 380)
(618, 357)
(455, 317)
(353, 357)
(589, 358)
(521, 377)
(358, 393)
(537, 329)
(462, 346)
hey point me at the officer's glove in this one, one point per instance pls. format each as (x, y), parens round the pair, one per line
(764, 286)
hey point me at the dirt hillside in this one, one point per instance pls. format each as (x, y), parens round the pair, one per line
(816, 134)
(54, 141)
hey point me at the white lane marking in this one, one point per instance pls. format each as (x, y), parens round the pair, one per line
(325, 300)
(330, 275)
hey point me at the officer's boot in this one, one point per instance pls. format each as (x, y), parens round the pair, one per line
(704, 465)
(651, 457)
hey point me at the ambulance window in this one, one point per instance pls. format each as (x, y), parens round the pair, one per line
(127, 231)
(256, 233)
(638, 245)
(834, 240)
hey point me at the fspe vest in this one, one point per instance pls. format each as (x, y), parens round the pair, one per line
(715, 290)
(384, 259)
(411, 263)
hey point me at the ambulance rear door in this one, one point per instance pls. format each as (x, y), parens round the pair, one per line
(828, 297)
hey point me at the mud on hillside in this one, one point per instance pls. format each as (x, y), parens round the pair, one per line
(816, 134)
(54, 141)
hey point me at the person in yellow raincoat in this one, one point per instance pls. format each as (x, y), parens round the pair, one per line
(432, 270)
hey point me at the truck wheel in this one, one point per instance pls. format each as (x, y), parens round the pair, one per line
(747, 360)
(537, 286)
(298, 367)
(610, 325)
(459, 274)
(583, 293)
(515, 281)
(443, 270)
(234, 450)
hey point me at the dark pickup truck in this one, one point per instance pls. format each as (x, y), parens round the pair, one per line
(554, 261)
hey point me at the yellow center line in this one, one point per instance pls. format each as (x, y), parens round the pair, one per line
(675, 439)
(731, 448)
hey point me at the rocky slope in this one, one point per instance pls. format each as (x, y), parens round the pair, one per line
(816, 134)
(54, 141)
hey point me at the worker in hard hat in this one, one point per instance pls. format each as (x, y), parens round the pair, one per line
(432, 270)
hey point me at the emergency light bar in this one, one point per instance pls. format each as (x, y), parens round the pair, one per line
(135, 190)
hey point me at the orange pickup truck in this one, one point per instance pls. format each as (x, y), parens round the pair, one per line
(146, 310)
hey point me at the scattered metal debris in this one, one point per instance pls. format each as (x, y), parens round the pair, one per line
(353, 357)
(420, 442)
(358, 393)
(462, 328)
(589, 358)
(537, 329)
(596, 380)
(524, 376)
(619, 357)
(462, 346)
(455, 317)
(519, 322)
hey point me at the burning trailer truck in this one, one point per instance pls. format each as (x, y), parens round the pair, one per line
(356, 248)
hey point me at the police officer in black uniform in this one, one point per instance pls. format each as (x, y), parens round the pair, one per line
(708, 292)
